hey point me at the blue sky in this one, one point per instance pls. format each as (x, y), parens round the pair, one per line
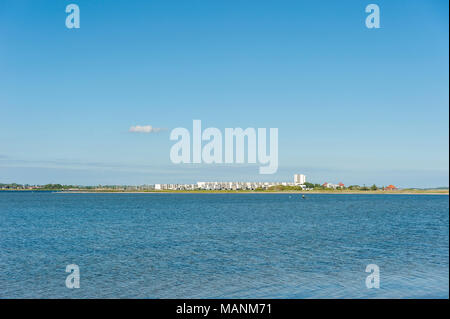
(352, 104)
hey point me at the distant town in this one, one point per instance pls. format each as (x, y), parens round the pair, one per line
(299, 183)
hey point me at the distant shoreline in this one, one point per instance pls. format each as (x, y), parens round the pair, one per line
(405, 192)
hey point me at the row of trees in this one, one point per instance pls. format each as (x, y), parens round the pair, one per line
(44, 187)
(364, 188)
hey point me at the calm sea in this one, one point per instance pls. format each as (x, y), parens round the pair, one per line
(223, 245)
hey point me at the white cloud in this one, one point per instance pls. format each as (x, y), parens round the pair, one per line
(144, 129)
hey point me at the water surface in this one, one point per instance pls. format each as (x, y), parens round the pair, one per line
(223, 245)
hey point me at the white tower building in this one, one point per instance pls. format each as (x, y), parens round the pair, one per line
(299, 179)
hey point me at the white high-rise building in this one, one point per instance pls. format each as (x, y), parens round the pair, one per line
(299, 179)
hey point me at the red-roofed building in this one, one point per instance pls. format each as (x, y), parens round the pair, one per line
(390, 188)
(341, 185)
